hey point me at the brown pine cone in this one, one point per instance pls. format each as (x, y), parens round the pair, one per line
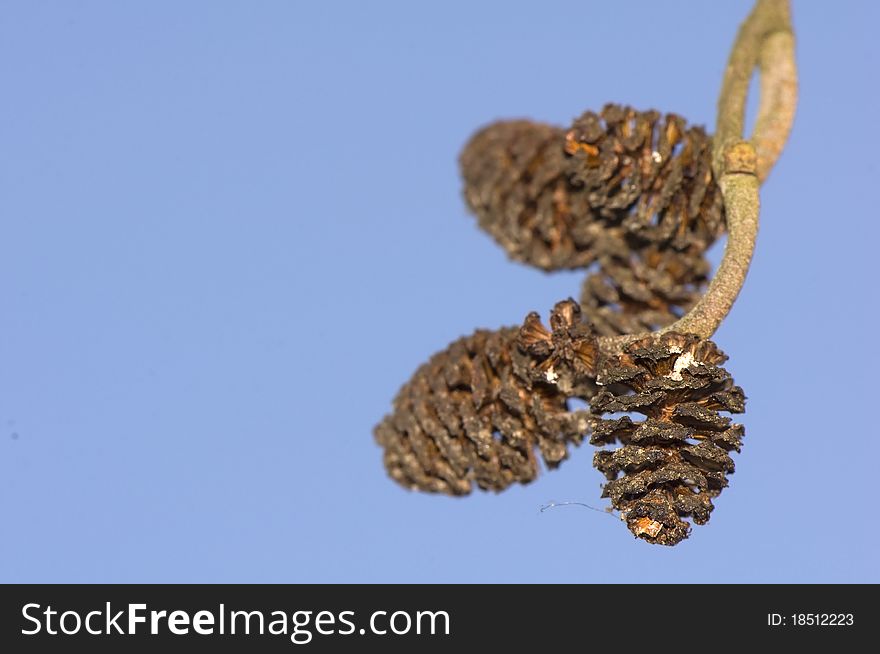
(652, 177)
(547, 194)
(476, 412)
(670, 465)
(642, 290)
(516, 183)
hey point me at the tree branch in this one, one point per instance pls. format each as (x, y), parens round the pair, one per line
(764, 39)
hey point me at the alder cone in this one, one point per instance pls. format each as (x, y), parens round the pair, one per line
(517, 184)
(650, 174)
(671, 465)
(547, 194)
(476, 413)
(634, 291)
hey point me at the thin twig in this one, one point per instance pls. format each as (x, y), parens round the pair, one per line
(553, 505)
(779, 91)
(739, 187)
(765, 38)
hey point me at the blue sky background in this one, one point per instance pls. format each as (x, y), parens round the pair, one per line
(231, 230)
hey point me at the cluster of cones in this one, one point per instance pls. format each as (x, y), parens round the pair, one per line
(630, 196)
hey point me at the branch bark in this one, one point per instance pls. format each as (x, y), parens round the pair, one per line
(765, 39)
